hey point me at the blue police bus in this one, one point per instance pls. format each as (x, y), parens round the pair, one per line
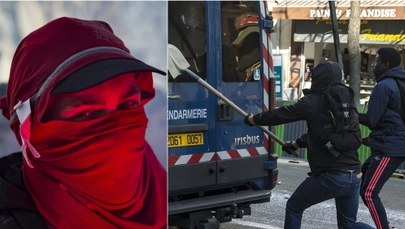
(217, 165)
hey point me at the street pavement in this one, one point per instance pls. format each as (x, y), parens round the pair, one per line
(321, 216)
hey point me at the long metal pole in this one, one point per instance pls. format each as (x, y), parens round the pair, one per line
(335, 29)
(229, 102)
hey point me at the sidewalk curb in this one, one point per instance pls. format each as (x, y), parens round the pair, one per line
(398, 175)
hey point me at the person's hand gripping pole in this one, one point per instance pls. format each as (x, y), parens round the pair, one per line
(287, 146)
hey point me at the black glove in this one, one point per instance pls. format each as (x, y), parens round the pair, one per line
(364, 141)
(246, 120)
(290, 148)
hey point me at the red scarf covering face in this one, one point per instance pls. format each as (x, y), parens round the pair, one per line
(99, 173)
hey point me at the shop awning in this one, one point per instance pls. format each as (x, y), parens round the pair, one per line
(312, 3)
(319, 9)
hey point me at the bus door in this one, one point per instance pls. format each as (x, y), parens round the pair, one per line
(239, 80)
(191, 139)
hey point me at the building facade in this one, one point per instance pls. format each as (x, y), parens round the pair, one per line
(304, 37)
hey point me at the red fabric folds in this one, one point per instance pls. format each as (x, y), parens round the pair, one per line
(98, 173)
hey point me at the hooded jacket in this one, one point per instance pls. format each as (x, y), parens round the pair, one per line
(312, 108)
(65, 162)
(382, 117)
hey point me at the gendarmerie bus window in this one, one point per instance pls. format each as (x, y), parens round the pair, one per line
(240, 41)
(187, 33)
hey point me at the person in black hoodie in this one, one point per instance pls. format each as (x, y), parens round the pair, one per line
(331, 176)
(387, 137)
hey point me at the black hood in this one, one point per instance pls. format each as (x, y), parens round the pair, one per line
(323, 75)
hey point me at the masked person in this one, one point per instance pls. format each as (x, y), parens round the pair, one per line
(387, 137)
(332, 176)
(75, 102)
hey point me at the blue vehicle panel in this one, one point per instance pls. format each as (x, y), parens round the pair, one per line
(210, 147)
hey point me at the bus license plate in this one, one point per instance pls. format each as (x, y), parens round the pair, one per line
(188, 139)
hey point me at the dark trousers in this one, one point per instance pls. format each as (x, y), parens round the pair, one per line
(377, 169)
(343, 187)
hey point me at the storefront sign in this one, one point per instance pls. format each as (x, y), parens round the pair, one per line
(345, 14)
(367, 36)
(323, 12)
(371, 32)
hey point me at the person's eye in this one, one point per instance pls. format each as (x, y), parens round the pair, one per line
(129, 104)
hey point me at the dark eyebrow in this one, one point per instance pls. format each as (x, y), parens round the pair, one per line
(72, 102)
(91, 99)
(85, 100)
(131, 91)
